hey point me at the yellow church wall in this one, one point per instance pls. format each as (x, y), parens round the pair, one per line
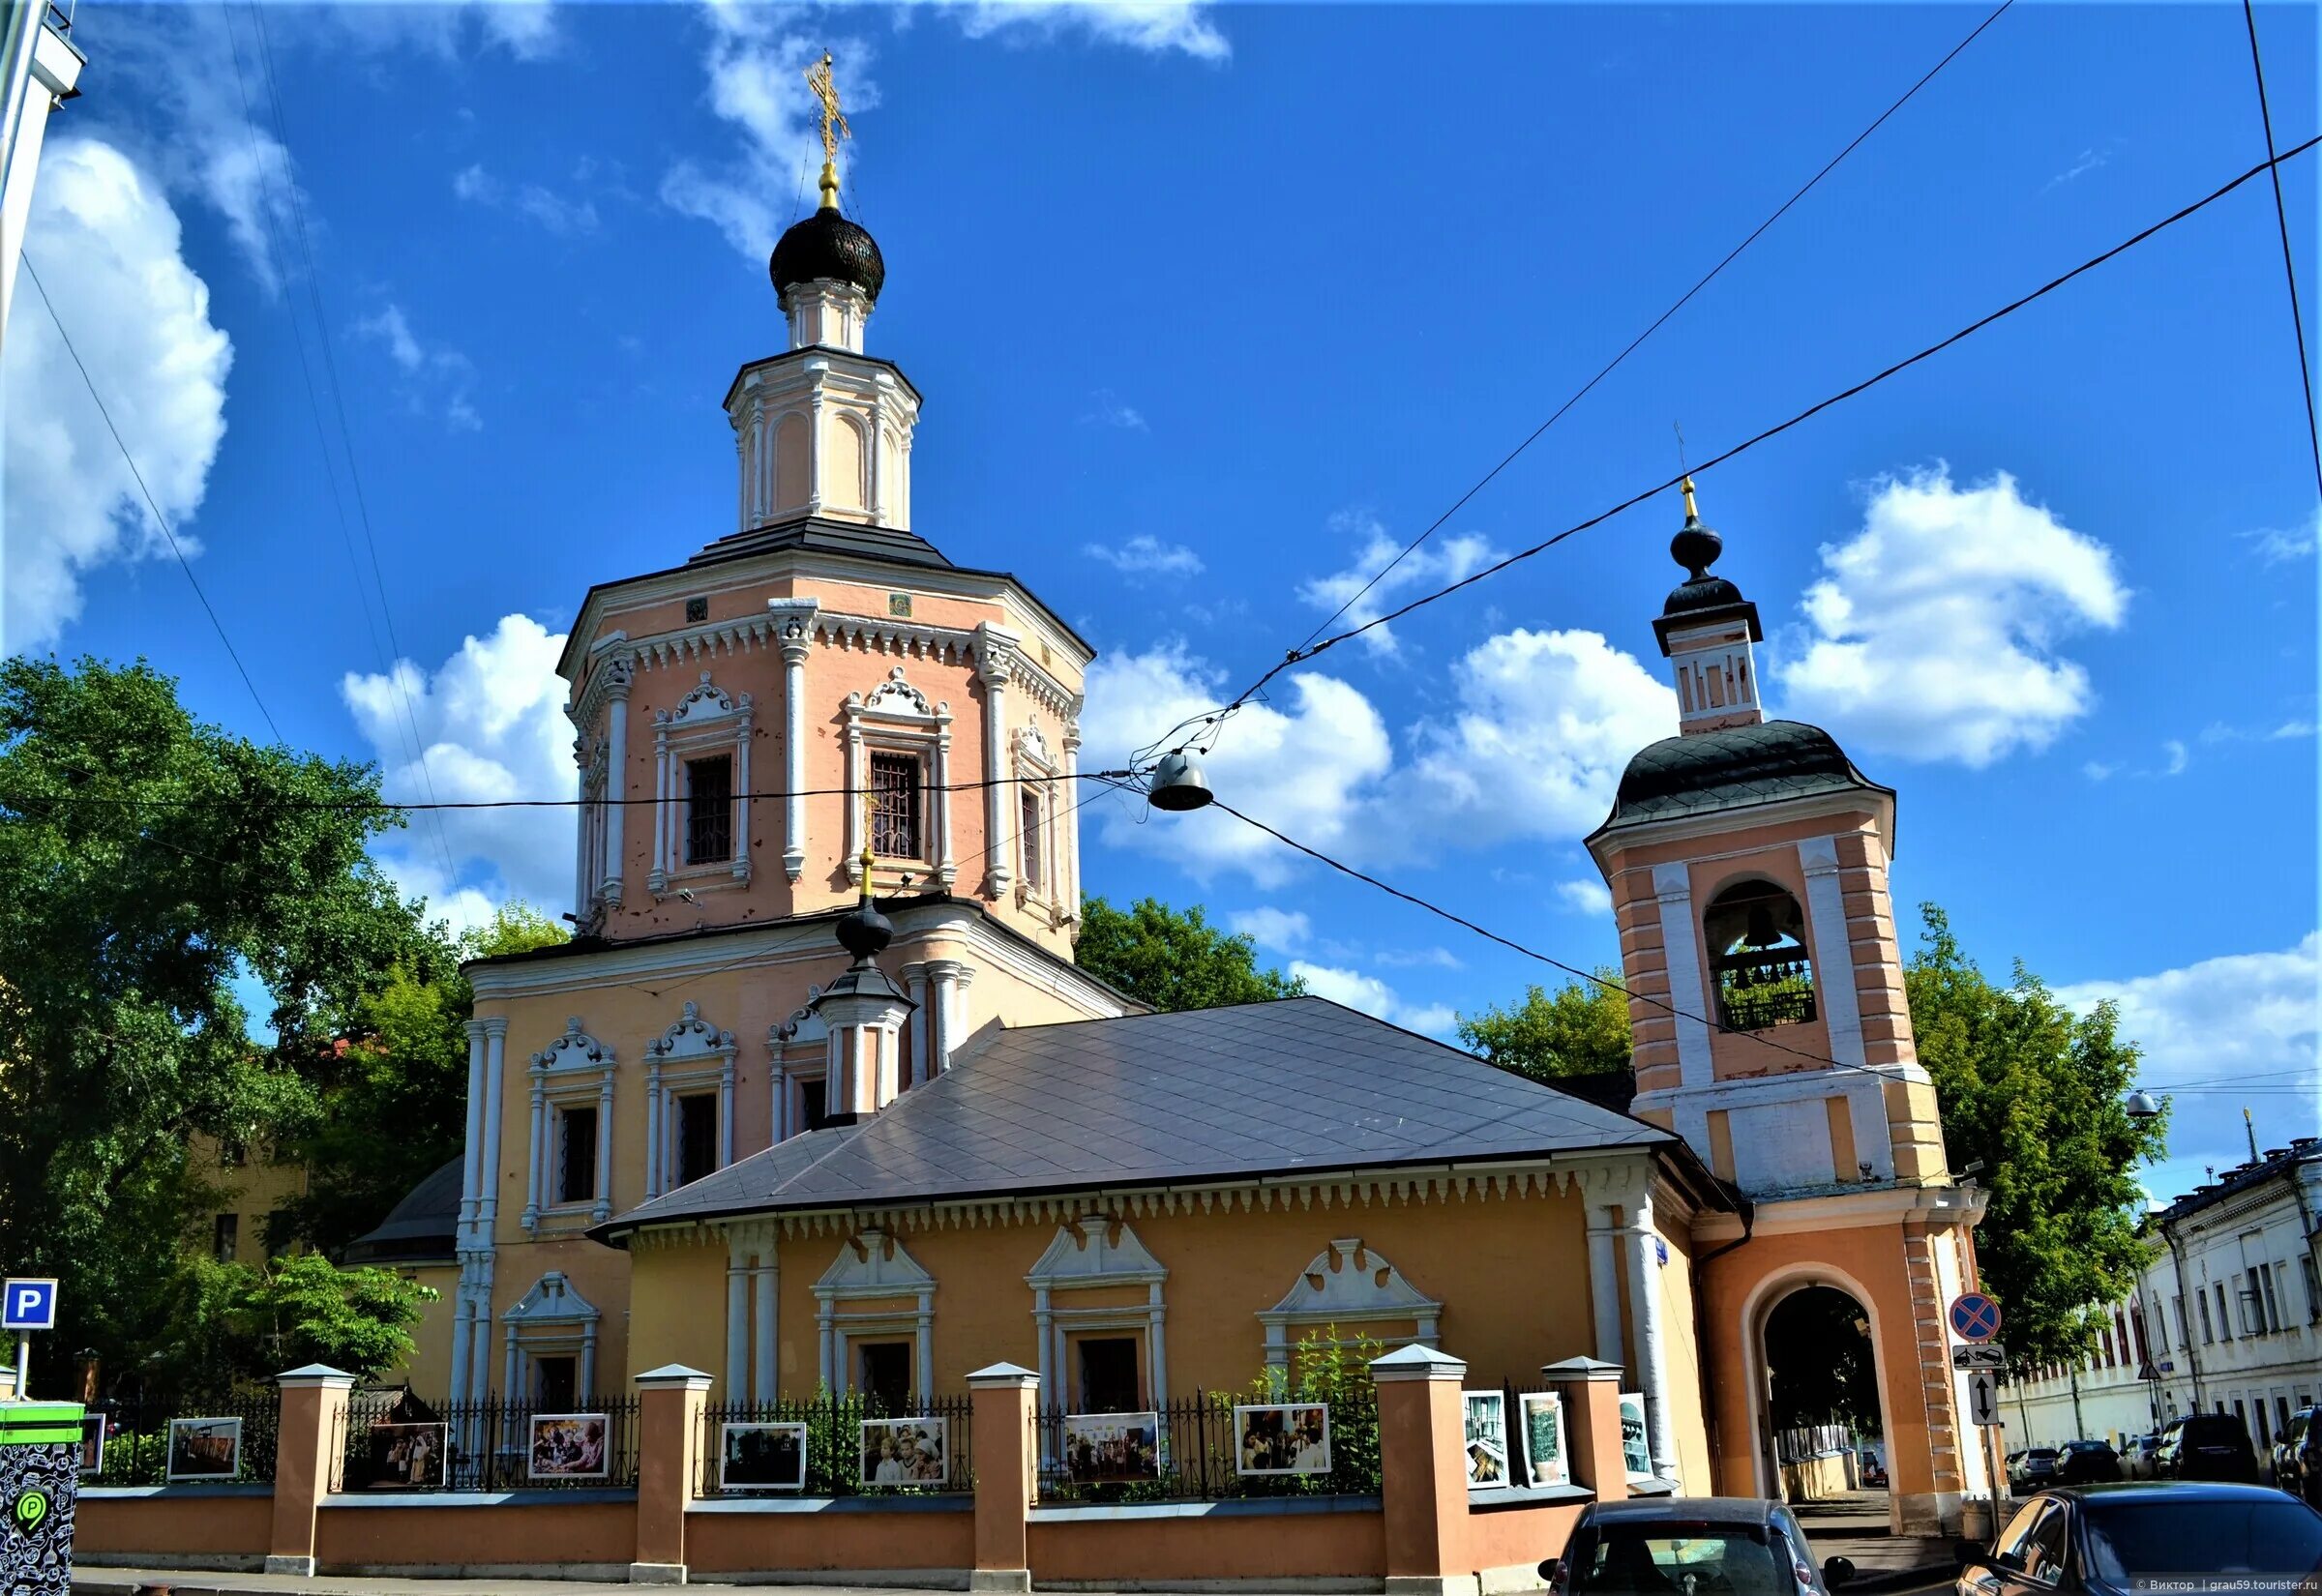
(679, 1312)
(429, 1369)
(1680, 1351)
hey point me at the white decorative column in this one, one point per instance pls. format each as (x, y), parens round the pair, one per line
(825, 1338)
(1154, 1314)
(742, 796)
(620, 670)
(943, 975)
(471, 1163)
(589, 1363)
(657, 876)
(654, 1138)
(995, 667)
(1066, 816)
(1604, 1283)
(1645, 1315)
(511, 1367)
(955, 1020)
(947, 870)
(914, 982)
(1834, 950)
(737, 1317)
(726, 1114)
(796, 617)
(540, 1151)
(767, 1279)
(927, 1344)
(603, 1210)
(1673, 887)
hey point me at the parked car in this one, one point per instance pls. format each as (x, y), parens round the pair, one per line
(2136, 1458)
(2087, 1463)
(1690, 1546)
(2104, 1540)
(2034, 1467)
(2298, 1456)
(2206, 1446)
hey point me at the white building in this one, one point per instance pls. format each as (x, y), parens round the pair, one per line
(2226, 1317)
(38, 66)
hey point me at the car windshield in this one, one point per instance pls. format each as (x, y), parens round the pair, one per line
(2275, 1540)
(1680, 1559)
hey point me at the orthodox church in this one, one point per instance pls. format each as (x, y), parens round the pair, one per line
(818, 1097)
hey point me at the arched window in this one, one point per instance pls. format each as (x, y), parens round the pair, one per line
(1757, 939)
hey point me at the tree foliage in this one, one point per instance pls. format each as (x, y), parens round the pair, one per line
(234, 1325)
(1821, 1366)
(2037, 1094)
(148, 863)
(1583, 1030)
(1172, 960)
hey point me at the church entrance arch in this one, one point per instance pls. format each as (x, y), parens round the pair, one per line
(1817, 1383)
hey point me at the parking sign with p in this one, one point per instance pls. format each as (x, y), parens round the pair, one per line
(28, 1305)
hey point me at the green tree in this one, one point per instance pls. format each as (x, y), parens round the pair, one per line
(1172, 960)
(148, 863)
(1583, 1030)
(234, 1325)
(393, 1091)
(2037, 1094)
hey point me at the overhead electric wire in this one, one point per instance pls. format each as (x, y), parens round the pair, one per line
(1732, 256)
(2009, 309)
(2289, 266)
(158, 520)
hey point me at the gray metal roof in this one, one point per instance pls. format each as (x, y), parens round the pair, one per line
(424, 1225)
(1296, 1085)
(1732, 768)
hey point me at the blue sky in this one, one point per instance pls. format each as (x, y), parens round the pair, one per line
(1209, 305)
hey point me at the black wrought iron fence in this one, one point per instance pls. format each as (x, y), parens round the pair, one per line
(1194, 1449)
(838, 1446)
(1801, 1442)
(183, 1441)
(488, 1446)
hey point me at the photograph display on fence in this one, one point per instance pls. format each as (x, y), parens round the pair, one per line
(1484, 1433)
(761, 1456)
(905, 1452)
(204, 1449)
(1636, 1453)
(569, 1446)
(1282, 1438)
(406, 1457)
(92, 1444)
(1111, 1446)
(1544, 1461)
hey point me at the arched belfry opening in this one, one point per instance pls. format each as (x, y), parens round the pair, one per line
(1756, 933)
(1823, 1421)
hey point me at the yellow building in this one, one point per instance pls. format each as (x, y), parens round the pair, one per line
(247, 1190)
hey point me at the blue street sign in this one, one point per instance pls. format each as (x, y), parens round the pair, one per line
(28, 1305)
(1974, 1317)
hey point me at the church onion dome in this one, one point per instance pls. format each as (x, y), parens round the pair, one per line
(1701, 597)
(1732, 768)
(828, 247)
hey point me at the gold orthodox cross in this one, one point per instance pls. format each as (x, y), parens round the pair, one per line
(834, 125)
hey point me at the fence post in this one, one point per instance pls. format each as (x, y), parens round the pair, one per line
(669, 1403)
(1591, 1394)
(1007, 1476)
(312, 1423)
(1422, 1471)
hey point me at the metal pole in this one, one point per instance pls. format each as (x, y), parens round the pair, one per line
(23, 1366)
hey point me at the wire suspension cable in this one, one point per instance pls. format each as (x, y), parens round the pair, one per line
(158, 520)
(2289, 266)
(1779, 427)
(1732, 256)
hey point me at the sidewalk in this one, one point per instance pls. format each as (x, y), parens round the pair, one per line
(128, 1581)
(1854, 1525)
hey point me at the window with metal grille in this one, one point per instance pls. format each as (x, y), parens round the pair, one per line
(1035, 879)
(576, 1161)
(895, 806)
(710, 810)
(697, 1137)
(1756, 935)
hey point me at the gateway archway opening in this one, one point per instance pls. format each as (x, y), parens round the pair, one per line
(1826, 1431)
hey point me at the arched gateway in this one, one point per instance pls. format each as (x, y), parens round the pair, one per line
(1748, 862)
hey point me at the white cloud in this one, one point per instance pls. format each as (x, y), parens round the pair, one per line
(1285, 930)
(2089, 161)
(1306, 765)
(1156, 25)
(438, 378)
(2097, 770)
(2238, 1030)
(2179, 757)
(1933, 632)
(1441, 959)
(2279, 545)
(551, 211)
(1109, 411)
(109, 251)
(1585, 897)
(1144, 555)
(1546, 723)
(1375, 997)
(492, 719)
(1439, 560)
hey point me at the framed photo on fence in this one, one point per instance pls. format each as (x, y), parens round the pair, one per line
(1544, 1460)
(406, 1457)
(761, 1456)
(1111, 1446)
(569, 1446)
(906, 1452)
(92, 1444)
(1282, 1438)
(204, 1449)
(1483, 1421)
(1636, 1452)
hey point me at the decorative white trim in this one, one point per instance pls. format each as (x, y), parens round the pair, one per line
(1347, 1283)
(691, 1052)
(1832, 944)
(706, 722)
(567, 1071)
(552, 1318)
(1680, 952)
(872, 1264)
(897, 717)
(1092, 1253)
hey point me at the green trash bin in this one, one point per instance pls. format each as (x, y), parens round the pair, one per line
(40, 1476)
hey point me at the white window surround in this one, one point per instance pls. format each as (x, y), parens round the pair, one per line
(806, 1031)
(705, 722)
(591, 756)
(871, 1265)
(553, 1319)
(897, 717)
(1036, 771)
(691, 1053)
(1347, 1284)
(1088, 1254)
(570, 1072)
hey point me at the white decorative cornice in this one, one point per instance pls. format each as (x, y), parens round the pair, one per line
(896, 696)
(691, 1037)
(1099, 1252)
(575, 1049)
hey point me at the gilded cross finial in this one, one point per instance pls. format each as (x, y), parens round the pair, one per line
(834, 126)
(1691, 514)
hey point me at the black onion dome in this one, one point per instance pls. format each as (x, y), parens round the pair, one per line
(827, 246)
(1734, 767)
(1701, 593)
(1696, 547)
(865, 933)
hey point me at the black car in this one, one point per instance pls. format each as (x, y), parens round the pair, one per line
(1690, 1546)
(2206, 1446)
(2087, 1463)
(2298, 1456)
(2110, 1539)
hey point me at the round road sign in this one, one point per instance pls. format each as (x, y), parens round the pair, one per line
(1974, 1317)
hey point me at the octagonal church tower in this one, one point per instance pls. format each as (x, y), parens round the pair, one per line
(1747, 860)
